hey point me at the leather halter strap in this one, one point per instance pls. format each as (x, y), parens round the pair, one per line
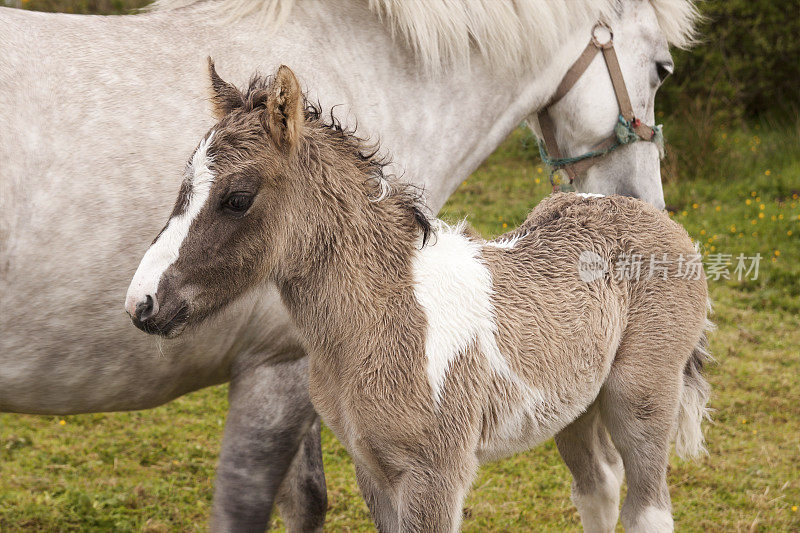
(579, 165)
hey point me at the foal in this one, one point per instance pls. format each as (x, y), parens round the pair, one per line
(430, 349)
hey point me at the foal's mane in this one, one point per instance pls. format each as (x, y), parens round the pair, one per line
(328, 129)
(508, 34)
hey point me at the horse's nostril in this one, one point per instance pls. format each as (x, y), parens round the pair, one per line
(147, 309)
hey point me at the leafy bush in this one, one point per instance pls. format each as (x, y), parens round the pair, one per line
(82, 7)
(746, 65)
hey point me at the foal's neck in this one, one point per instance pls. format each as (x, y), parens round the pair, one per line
(350, 271)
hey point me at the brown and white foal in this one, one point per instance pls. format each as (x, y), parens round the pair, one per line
(430, 349)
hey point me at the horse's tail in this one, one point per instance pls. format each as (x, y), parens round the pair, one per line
(689, 440)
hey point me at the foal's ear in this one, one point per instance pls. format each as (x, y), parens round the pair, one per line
(224, 96)
(284, 114)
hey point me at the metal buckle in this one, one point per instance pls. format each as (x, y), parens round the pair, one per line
(602, 36)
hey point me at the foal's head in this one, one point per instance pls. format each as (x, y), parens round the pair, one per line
(269, 182)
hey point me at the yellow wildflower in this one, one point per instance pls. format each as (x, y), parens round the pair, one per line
(539, 170)
(767, 172)
(537, 181)
(505, 225)
(789, 233)
(794, 508)
(62, 422)
(702, 232)
(748, 201)
(761, 215)
(777, 253)
(718, 208)
(753, 194)
(695, 206)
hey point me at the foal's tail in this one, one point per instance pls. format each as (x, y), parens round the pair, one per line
(689, 440)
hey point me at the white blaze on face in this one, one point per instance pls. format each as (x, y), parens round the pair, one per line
(454, 288)
(164, 251)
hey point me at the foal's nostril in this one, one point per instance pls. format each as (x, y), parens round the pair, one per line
(147, 309)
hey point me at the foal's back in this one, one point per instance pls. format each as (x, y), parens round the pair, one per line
(569, 298)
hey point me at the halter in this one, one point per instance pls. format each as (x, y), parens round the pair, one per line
(628, 129)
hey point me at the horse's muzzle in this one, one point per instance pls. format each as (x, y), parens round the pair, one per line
(151, 318)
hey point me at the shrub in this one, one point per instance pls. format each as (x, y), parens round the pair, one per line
(746, 65)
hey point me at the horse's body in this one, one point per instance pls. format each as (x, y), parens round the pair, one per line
(431, 353)
(490, 348)
(96, 112)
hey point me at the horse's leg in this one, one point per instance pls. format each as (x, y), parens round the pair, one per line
(302, 500)
(596, 470)
(639, 406)
(270, 415)
(383, 512)
(431, 499)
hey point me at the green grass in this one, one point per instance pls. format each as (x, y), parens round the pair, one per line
(153, 470)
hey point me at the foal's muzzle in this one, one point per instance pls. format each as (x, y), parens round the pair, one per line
(149, 317)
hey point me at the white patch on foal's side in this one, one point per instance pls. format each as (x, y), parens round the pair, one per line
(164, 251)
(590, 195)
(454, 288)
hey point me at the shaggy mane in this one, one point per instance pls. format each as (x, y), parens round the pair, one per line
(379, 186)
(508, 34)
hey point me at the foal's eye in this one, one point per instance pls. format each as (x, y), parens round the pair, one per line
(238, 202)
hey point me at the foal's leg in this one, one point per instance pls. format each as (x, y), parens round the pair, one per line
(639, 405)
(270, 416)
(596, 470)
(431, 499)
(383, 512)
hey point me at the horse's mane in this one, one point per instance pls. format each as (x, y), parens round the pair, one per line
(381, 186)
(509, 34)
(327, 128)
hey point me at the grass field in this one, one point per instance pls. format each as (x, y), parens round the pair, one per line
(153, 470)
